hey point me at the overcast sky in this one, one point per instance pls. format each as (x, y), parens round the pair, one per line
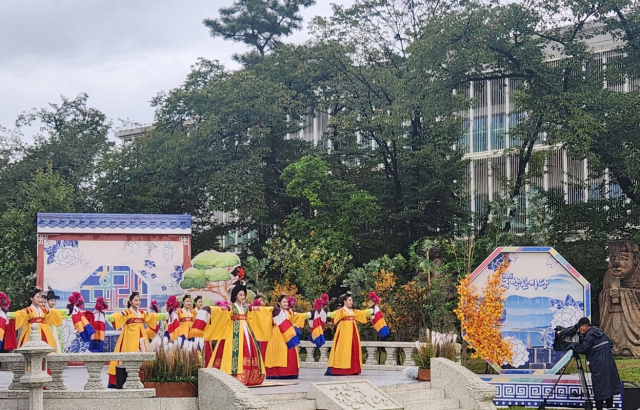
(120, 52)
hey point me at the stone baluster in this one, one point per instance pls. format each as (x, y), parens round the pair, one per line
(391, 357)
(306, 356)
(57, 381)
(371, 355)
(18, 371)
(133, 375)
(408, 356)
(95, 379)
(324, 354)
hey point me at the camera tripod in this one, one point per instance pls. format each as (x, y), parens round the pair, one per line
(588, 404)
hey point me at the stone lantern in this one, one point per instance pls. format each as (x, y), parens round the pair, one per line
(35, 353)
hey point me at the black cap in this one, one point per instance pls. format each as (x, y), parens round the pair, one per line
(51, 295)
(584, 321)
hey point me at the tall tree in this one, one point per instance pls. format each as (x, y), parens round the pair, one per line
(564, 102)
(260, 24)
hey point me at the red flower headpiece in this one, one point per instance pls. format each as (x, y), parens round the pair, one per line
(221, 303)
(172, 304)
(256, 302)
(154, 306)
(325, 297)
(240, 273)
(76, 300)
(101, 305)
(5, 302)
(374, 297)
(318, 304)
(292, 302)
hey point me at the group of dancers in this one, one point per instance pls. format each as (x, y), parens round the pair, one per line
(249, 341)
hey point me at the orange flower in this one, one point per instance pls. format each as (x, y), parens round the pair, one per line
(480, 319)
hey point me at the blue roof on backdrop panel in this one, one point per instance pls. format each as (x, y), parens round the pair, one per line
(116, 221)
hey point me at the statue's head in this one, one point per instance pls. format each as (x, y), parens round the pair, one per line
(624, 258)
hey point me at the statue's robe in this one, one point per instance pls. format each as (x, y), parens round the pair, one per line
(620, 315)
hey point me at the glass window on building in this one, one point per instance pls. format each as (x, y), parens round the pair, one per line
(480, 143)
(498, 129)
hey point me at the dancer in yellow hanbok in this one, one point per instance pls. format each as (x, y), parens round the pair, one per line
(237, 328)
(345, 357)
(134, 336)
(39, 314)
(186, 316)
(280, 353)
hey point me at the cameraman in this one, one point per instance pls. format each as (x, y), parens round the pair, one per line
(596, 346)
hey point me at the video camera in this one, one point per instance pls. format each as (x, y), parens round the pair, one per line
(565, 338)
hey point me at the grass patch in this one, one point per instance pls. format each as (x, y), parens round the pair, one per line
(629, 369)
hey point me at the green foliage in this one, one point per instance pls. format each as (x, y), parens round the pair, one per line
(258, 23)
(360, 280)
(314, 269)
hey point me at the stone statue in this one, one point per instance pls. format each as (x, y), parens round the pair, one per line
(620, 298)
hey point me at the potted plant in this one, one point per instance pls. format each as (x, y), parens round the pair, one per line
(422, 358)
(174, 373)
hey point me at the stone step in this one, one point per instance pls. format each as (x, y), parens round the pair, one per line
(410, 396)
(441, 404)
(289, 401)
(302, 404)
(406, 387)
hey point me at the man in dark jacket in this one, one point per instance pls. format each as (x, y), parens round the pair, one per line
(596, 346)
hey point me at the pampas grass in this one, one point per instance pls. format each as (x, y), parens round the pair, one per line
(410, 373)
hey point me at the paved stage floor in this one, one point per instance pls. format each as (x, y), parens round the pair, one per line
(76, 377)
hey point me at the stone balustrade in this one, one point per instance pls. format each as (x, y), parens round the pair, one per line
(398, 355)
(93, 362)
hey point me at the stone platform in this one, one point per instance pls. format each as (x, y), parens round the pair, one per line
(76, 377)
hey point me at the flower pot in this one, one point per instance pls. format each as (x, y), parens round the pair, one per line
(173, 389)
(424, 375)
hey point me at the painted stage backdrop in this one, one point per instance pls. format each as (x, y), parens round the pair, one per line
(542, 291)
(109, 255)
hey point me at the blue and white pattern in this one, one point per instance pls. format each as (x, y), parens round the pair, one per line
(531, 391)
(64, 253)
(113, 221)
(168, 252)
(496, 262)
(176, 277)
(520, 352)
(565, 314)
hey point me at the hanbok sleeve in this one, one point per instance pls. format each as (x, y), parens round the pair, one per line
(119, 320)
(151, 319)
(21, 317)
(218, 323)
(360, 316)
(298, 319)
(261, 323)
(53, 317)
(337, 315)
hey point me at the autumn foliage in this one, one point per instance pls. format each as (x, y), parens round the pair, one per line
(301, 304)
(401, 305)
(480, 317)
